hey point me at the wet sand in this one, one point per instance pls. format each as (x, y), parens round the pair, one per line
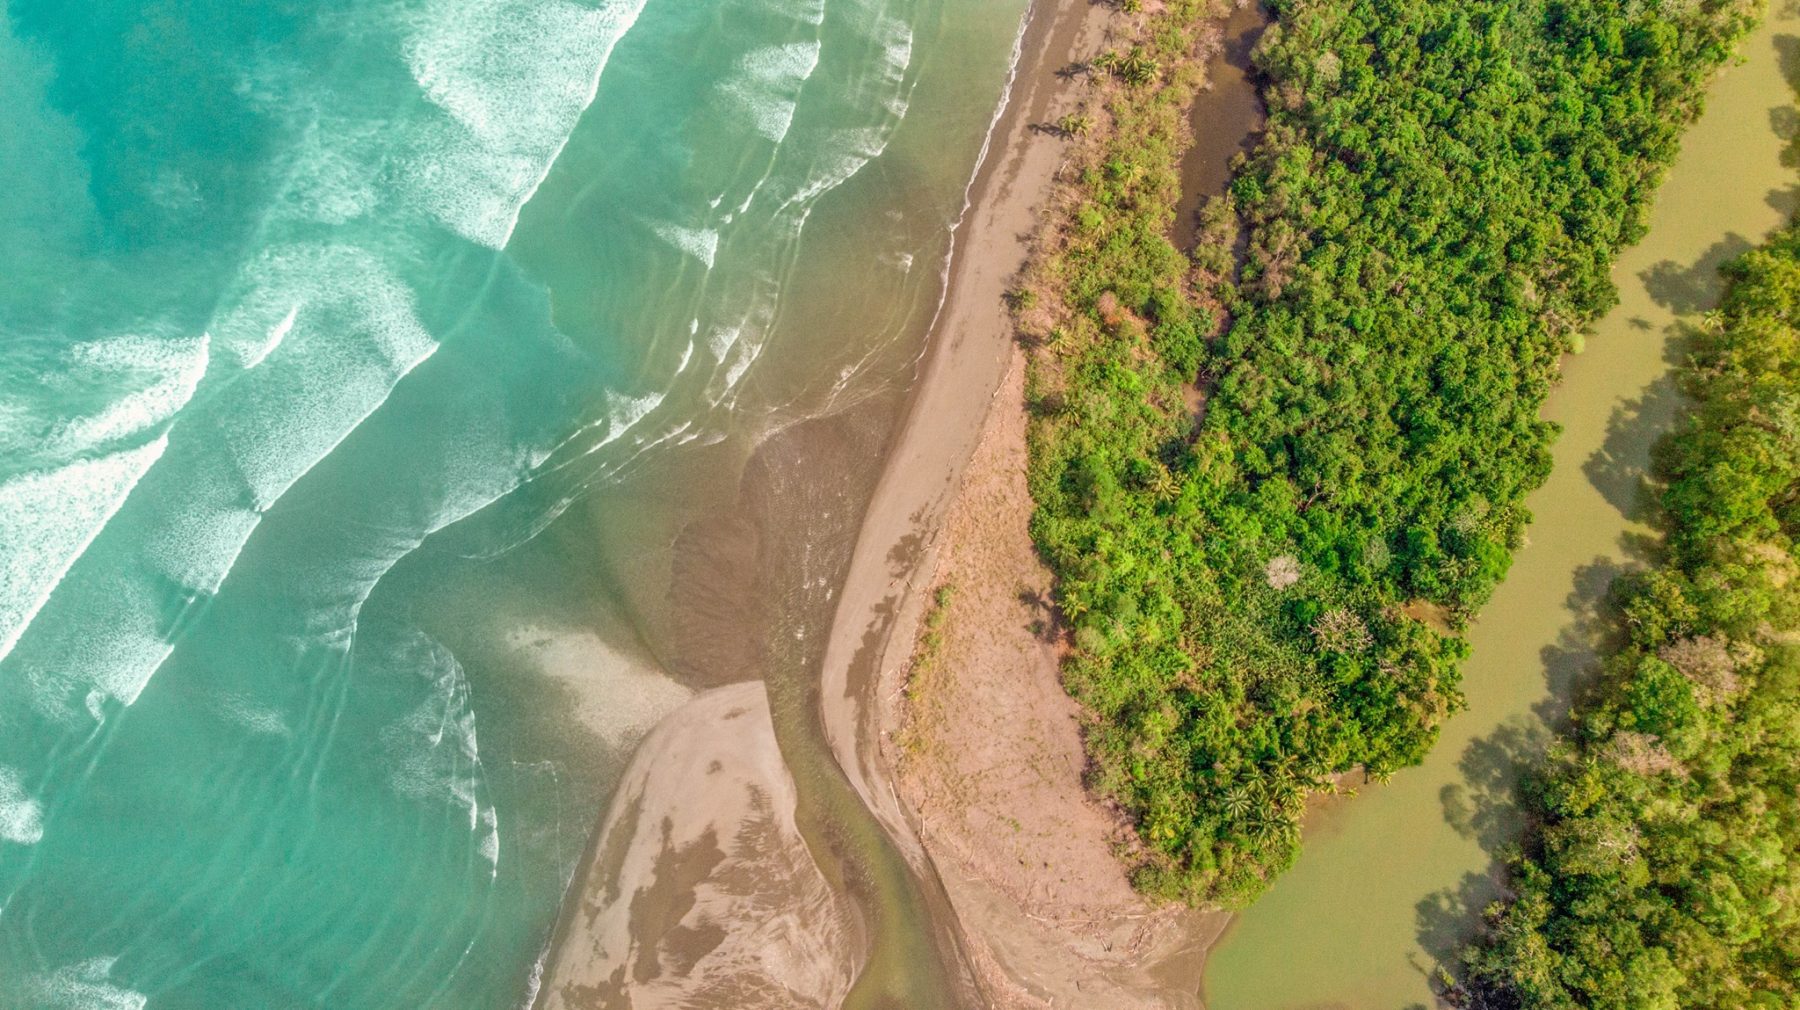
(775, 585)
(701, 892)
(813, 581)
(970, 348)
(976, 765)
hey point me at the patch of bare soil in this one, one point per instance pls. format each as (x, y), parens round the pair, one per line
(701, 894)
(989, 755)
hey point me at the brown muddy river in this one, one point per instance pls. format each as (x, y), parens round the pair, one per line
(1227, 118)
(1392, 881)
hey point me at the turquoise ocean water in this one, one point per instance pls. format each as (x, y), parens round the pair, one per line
(323, 328)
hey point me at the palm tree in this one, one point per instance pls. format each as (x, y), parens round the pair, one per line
(1137, 67)
(1074, 125)
(1238, 802)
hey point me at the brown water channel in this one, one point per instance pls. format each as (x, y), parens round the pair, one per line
(1227, 118)
(1392, 881)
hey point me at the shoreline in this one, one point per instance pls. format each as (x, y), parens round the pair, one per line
(967, 350)
(964, 426)
(964, 388)
(998, 208)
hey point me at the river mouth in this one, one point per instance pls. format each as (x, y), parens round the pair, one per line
(1353, 926)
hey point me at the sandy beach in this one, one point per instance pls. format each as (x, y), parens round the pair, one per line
(701, 892)
(972, 755)
(978, 779)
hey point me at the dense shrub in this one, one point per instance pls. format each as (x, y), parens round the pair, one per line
(1663, 869)
(1430, 218)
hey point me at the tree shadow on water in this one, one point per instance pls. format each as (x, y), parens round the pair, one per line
(1695, 287)
(1486, 804)
(1787, 49)
(1446, 920)
(1594, 629)
(1622, 468)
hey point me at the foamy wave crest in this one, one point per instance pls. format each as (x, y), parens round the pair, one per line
(48, 519)
(621, 415)
(766, 87)
(63, 402)
(473, 479)
(21, 818)
(854, 147)
(433, 752)
(111, 654)
(896, 38)
(353, 337)
(277, 334)
(700, 243)
(176, 367)
(733, 355)
(87, 985)
(349, 335)
(512, 76)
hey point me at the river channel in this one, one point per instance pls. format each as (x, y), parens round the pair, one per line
(1393, 880)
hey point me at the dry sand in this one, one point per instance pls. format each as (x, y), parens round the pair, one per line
(988, 747)
(702, 893)
(980, 777)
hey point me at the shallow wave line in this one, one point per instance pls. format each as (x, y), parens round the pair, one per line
(10, 638)
(282, 488)
(130, 696)
(636, 9)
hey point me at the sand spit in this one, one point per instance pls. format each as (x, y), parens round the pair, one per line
(979, 777)
(701, 893)
(988, 749)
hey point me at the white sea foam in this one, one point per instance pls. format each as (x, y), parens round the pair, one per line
(197, 544)
(617, 697)
(112, 653)
(700, 243)
(722, 340)
(86, 985)
(433, 751)
(349, 335)
(811, 12)
(632, 409)
(48, 519)
(474, 478)
(21, 817)
(332, 182)
(277, 334)
(513, 77)
(621, 414)
(855, 147)
(766, 85)
(535, 982)
(258, 719)
(177, 367)
(51, 513)
(490, 841)
(354, 337)
(897, 47)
